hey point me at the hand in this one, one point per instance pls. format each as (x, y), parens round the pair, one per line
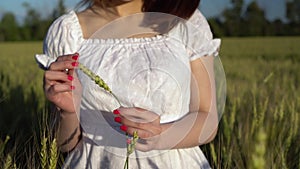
(144, 122)
(58, 83)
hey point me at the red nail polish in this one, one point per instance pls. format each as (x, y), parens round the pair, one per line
(75, 57)
(116, 111)
(72, 87)
(75, 64)
(118, 119)
(70, 77)
(124, 128)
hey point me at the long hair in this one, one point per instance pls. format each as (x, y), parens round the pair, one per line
(181, 8)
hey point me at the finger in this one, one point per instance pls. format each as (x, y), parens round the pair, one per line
(58, 88)
(146, 144)
(141, 133)
(149, 127)
(62, 65)
(70, 57)
(53, 77)
(72, 72)
(65, 62)
(61, 96)
(144, 130)
(138, 114)
(143, 147)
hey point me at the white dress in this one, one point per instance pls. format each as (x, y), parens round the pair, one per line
(152, 73)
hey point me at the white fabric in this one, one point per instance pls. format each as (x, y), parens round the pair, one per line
(151, 73)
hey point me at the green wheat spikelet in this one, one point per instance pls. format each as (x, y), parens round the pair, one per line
(8, 162)
(98, 80)
(53, 155)
(131, 146)
(43, 153)
(2, 145)
(258, 156)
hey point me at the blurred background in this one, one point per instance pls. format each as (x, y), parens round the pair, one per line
(29, 19)
(260, 52)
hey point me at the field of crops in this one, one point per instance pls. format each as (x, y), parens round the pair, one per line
(260, 127)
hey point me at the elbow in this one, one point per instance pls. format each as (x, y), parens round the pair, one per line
(211, 126)
(209, 131)
(212, 136)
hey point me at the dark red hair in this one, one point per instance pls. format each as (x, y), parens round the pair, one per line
(180, 8)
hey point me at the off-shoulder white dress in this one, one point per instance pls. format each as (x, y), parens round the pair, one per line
(152, 73)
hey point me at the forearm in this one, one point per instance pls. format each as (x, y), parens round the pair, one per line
(200, 125)
(192, 130)
(69, 131)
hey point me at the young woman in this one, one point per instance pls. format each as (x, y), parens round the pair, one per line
(171, 121)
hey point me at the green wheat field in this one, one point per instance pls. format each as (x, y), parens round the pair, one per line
(260, 128)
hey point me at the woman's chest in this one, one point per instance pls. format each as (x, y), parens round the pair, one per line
(141, 75)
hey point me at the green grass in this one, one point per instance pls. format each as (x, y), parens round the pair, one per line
(21, 96)
(259, 128)
(23, 107)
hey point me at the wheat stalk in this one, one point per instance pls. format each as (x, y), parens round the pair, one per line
(131, 142)
(43, 153)
(3, 144)
(53, 155)
(97, 79)
(8, 162)
(130, 147)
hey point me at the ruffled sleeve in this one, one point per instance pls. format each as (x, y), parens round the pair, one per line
(197, 37)
(63, 37)
(200, 38)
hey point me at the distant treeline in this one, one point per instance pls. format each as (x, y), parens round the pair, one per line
(238, 21)
(235, 21)
(34, 26)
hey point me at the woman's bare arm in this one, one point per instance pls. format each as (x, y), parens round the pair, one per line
(198, 127)
(201, 124)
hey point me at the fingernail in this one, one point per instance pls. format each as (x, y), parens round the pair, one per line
(75, 64)
(123, 127)
(116, 111)
(118, 119)
(70, 77)
(75, 57)
(72, 87)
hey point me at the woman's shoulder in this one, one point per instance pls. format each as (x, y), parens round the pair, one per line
(195, 27)
(65, 21)
(65, 27)
(199, 20)
(63, 36)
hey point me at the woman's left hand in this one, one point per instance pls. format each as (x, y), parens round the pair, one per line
(144, 122)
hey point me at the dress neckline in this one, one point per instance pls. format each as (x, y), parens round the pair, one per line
(113, 40)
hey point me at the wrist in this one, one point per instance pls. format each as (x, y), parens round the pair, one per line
(64, 112)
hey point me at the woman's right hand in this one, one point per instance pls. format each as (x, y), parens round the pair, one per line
(58, 83)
